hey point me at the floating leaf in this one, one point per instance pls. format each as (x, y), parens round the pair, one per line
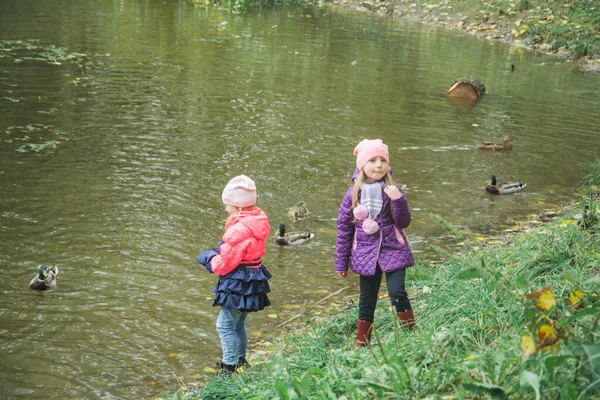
(576, 297)
(544, 298)
(527, 347)
(547, 338)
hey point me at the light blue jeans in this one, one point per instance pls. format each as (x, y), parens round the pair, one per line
(231, 326)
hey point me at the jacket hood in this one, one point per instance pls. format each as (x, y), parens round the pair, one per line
(256, 221)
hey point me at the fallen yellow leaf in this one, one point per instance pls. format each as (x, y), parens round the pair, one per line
(272, 315)
(210, 370)
(576, 297)
(527, 347)
(547, 338)
(544, 298)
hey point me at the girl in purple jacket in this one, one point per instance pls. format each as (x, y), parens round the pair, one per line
(370, 238)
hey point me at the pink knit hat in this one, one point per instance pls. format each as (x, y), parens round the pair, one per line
(240, 192)
(368, 149)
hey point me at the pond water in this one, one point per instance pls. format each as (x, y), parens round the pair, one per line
(121, 122)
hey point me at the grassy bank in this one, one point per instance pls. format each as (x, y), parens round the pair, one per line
(568, 29)
(517, 320)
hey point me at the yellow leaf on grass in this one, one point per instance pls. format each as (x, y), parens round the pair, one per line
(272, 315)
(527, 347)
(518, 22)
(256, 333)
(544, 298)
(210, 370)
(547, 338)
(576, 297)
(291, 306)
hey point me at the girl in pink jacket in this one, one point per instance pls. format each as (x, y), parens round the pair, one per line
(243, 280)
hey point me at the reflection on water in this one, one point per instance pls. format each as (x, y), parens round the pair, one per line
(179, 100)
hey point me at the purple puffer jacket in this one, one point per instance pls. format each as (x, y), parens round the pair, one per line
(388, 246)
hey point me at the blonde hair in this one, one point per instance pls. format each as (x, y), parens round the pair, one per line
(229, 220)
(362, 178)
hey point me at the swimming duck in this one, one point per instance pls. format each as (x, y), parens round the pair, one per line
(503, 188)
(291, 238)
(505, 145)
(298, 211)
(45, 278)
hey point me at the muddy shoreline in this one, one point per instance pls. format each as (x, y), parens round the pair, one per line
(445, 16)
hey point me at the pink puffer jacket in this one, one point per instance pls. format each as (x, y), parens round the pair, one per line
(243, 243)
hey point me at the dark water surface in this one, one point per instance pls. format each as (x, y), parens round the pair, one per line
(178, 100)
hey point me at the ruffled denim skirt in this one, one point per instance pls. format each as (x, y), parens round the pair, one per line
(243, 289)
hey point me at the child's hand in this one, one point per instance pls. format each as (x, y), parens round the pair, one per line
(342, 274)
(393, 192)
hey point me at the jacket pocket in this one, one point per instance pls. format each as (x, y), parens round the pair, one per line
(393, 238)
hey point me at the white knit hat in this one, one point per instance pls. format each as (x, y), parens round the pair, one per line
(240, 192)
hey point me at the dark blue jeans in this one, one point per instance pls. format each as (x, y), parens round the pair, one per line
(369, 292)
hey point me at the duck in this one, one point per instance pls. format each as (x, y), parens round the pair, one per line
(503, 188)
(45, 278)
(505, 145)
(291, 238)
(298, 211)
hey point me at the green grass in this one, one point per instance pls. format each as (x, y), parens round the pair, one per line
(471, 323)
(573, 25)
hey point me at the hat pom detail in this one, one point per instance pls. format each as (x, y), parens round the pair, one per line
(370, 226)
(361, 212)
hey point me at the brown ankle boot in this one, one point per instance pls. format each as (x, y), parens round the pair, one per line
(407, 319)
(363, 333)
